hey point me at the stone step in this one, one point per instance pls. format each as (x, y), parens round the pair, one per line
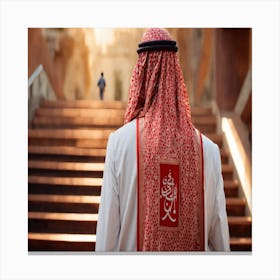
(70, 133)
(64, 198)
(52, 118)
(76, 122)
(205, 124)
(78, 186)
(66, 154)
(205, 120)
(51, 168)
(85, 152)
(241, 244)
(83, 104)
(59, 187)
(66, 181)
(63, 216)
(61, 242)
(240, 226)
(224, 156)
(86, 223)
(73, 166)
(235, 206)
(227, 171)
(42, 140)
(204, 129)
(64, 189)
(79, 143)
(93, 118)
(81, 138)
(86, 242)
(56, 173)
(97, 104)
(62, 226)
(78, 223)
(201, 111)
(73, 154)
(63, 203)
(231, 185)
(60, 118)
(231, 188)
(37, 205)
(77, 115)
(67, 151)
(72, 186)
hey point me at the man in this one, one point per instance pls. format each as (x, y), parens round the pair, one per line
(101, 84)
(162, 184)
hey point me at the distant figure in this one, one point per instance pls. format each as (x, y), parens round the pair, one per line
(101, 84)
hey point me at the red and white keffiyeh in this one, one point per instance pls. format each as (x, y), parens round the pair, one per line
(169, 153)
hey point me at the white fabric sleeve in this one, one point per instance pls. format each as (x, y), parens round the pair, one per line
(219, 232)
(108, 225)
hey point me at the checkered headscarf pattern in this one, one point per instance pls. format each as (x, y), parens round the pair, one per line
(158, 93)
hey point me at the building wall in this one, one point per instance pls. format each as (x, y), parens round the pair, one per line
(233, 59)
(196, 58)
(38, 53)
(116, 62)
(65, 56)
(214, 61)
(78, 74)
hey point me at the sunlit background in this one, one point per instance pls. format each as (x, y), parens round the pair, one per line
(215, 62)
(74, 58)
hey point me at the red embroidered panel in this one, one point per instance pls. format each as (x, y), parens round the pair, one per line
(169, 195)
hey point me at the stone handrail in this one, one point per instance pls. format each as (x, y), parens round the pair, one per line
(236, 140)
(39, 87)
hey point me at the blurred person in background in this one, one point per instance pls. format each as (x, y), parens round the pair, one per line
(101, 84)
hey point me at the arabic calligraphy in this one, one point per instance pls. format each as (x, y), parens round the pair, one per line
(169, 196)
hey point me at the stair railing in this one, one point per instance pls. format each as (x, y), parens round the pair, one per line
(234, 137)
(39, 87)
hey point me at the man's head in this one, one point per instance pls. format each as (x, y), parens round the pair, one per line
(157, 76)
(102, 74)
(156, 39)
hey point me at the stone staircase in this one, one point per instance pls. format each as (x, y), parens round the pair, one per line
(66, 153)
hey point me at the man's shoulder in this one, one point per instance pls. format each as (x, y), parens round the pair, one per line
(208, 142)
(210, 148)
(126, 128)
(125, 133)
(211, 152)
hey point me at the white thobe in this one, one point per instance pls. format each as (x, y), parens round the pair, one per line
(117, 217)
